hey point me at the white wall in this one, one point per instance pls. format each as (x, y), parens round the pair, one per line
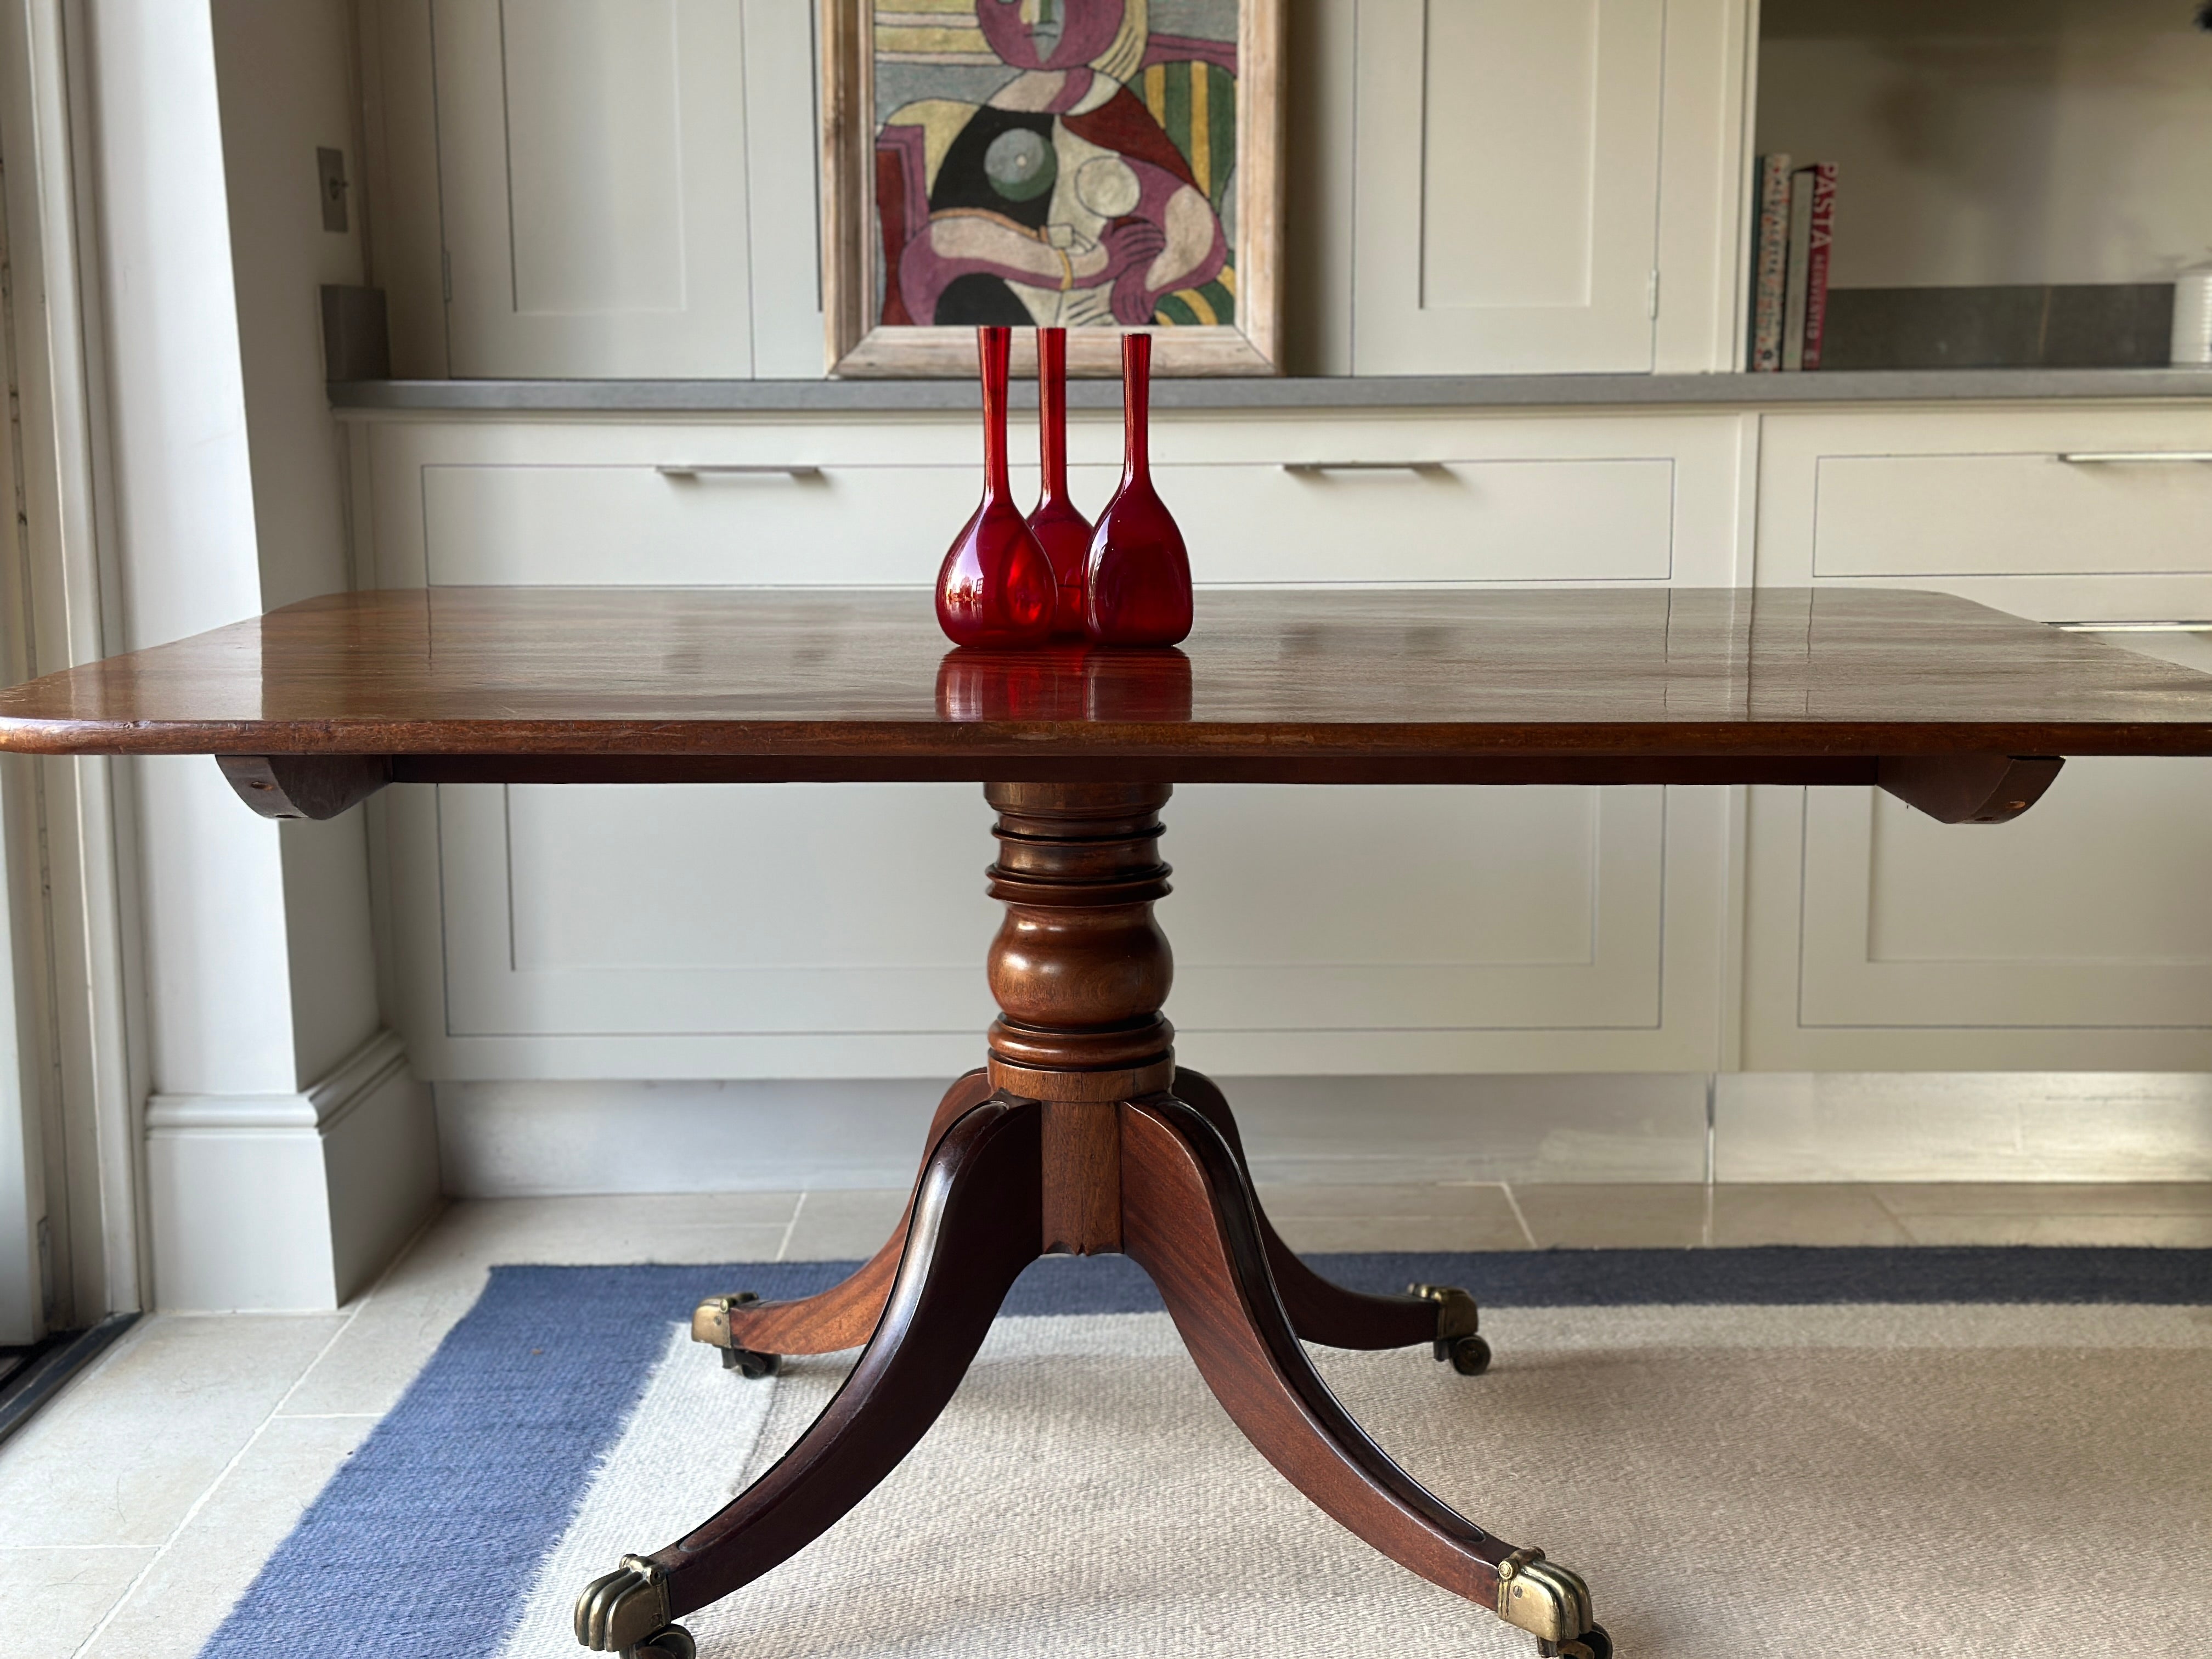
(275, 1103)
(283, 77)
(1998, 140)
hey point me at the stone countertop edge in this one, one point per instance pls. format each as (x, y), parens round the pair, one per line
(1343, 393)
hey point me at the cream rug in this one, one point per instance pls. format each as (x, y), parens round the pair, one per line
(1826, 1481)
(1741, 1462)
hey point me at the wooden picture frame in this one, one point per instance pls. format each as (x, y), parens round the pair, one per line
(864, 343)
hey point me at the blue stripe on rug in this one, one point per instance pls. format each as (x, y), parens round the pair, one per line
(426, 1539)
(1770, 1276)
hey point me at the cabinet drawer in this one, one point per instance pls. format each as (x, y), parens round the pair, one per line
(2038, 513)
(1608, 519)
(1572, 519)
(620, 525)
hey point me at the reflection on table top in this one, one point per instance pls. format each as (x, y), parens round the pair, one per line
(1266, 677)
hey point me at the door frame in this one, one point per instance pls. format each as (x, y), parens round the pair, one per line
(71, 853)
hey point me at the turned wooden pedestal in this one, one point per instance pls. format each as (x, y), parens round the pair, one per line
(1081, 1136)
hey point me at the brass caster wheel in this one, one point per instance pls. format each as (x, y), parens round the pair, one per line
(1470, 1357)
(1592, 1643)
(674, 1642)
(710, 1323)
(750, 1365)
(1457, 1320)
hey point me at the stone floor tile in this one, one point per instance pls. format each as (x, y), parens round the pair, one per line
(403, 1318)
(193, 1388)
(1985, 1227)
(1310, 1233)
(194, 1581)
(1622, 1215)
(1801, 1213)
(2046, 1198)
(1467, 1198)
(51, 1599)
(837, 1225)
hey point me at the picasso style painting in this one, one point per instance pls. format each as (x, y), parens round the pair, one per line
(1068, 163)
(1056, 163)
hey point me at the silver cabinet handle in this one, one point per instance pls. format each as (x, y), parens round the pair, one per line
(1310, 468)
(2128, 456)
(2159, 627)
(719, 469)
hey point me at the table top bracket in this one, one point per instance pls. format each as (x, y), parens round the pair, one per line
(305, 786)
(1969, 788)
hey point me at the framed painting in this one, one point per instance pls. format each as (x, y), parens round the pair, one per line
(1096, 164)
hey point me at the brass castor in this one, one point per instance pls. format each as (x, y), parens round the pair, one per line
(1469, 1355)
(710, 1323)
(1592, 1643)
(751, 1364)
(674, 1642)
(1457, 1320)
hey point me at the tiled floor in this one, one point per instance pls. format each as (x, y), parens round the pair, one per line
(135, 1507)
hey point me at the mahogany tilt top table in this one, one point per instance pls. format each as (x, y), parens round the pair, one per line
(1079, 1133)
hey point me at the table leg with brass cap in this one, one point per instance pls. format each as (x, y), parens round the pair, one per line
(1082, 1136)
(1552, 1603)
(844, 1315)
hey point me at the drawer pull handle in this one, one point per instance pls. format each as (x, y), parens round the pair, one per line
(1309, 469)
(2128, 457)
(718, 470)
(2159, 627)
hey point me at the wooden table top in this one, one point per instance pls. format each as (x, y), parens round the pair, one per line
(1396, 685)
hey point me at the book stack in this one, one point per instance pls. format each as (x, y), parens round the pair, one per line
(1790, 264)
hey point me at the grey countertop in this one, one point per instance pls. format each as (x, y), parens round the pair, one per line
(1345, 393)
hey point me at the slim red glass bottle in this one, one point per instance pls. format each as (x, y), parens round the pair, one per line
(1136, 583)
(1061, 529)
(995, 588)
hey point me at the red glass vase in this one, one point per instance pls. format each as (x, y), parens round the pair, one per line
(1136, 582)
(995, 588)
(1061, 529)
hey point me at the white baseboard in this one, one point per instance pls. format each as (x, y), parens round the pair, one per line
(512, 1139)
(1963, 1126)
(508, 1140)
(288, 1201)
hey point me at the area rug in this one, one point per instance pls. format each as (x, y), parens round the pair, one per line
(1756, 1453)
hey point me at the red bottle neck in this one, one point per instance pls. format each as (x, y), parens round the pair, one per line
(993, 346)
(1052, 412)
(1136, 408)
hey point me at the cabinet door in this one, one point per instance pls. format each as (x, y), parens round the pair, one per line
(2079, 937)
(840, 930)
(592, 171)
(1506, 186)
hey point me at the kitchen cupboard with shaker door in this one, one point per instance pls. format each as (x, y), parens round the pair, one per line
(2081, 938)
(560, 932)
(588, 931)
(613, 186)
(1506, 186)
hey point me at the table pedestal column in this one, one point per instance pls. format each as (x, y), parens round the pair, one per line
(1082, 1136)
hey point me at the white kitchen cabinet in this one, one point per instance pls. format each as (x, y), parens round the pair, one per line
(1507, 186)
(599, 209)
(1986, 503)
(1430, 499)
(2079, 937)
(1574, 519)
(839, 930)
